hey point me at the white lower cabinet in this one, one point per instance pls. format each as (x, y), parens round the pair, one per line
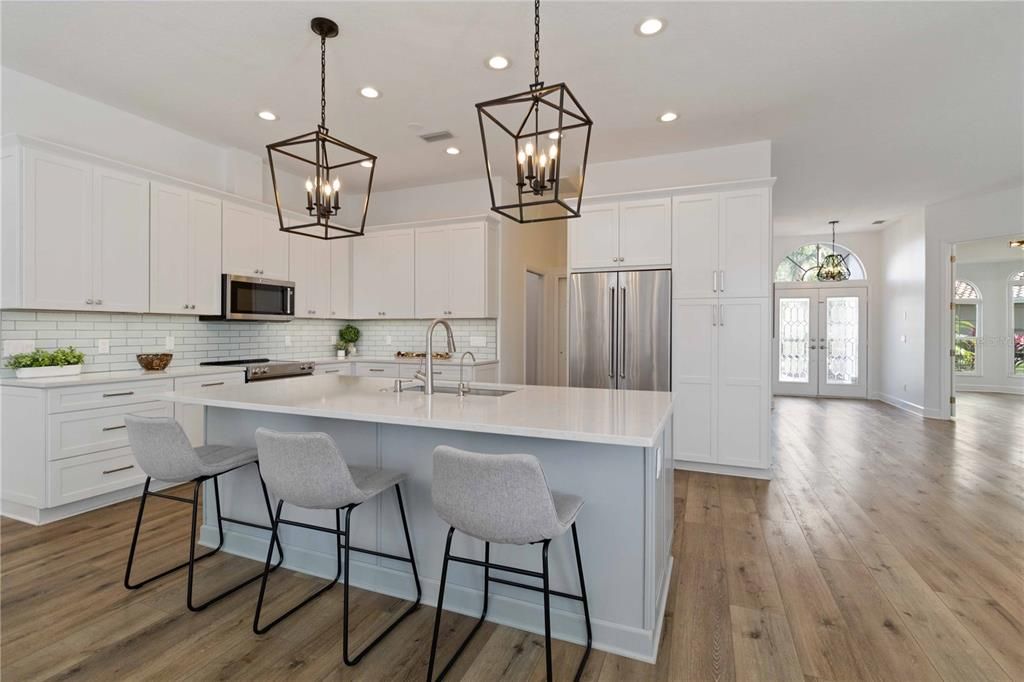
(722, 381)
(341, 368)
(192, 417)
(387, 370)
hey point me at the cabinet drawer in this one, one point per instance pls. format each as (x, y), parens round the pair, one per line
(193, 417)
(88, 431)
(210, 381)
(444, 372)
(342, 368)
(77, 478)
(105, 395)
(377, 369)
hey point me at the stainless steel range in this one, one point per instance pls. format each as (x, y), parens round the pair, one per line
(261, 369)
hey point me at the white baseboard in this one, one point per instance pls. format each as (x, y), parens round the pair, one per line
(905, 405)
(724, 469)
(41, 516)
(989, 388)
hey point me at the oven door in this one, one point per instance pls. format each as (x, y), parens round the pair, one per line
(255, 298)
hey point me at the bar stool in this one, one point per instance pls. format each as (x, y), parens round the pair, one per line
(308, 470)
(164, 453)
(503, 499)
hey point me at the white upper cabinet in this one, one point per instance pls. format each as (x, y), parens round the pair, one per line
(341, 279)
(722, 244)
(121, 234)
(185, 258)
(382, 275)
(254, 244)
(456, 270)
(622, 235)
(310, 268)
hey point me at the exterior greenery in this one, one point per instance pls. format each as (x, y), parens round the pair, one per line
(46, 358)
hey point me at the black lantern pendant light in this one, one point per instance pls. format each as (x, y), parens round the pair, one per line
(547, 152)
(833, 267)
(331, 167)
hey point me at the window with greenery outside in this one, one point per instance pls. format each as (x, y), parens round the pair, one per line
(965, 327)
(1017, 317)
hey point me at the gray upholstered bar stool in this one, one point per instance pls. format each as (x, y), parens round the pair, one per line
(164, 453)
(308, 470)
(503, 499)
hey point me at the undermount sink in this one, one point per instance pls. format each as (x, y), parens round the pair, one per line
(471, 391)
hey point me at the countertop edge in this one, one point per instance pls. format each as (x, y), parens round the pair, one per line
(116, 377)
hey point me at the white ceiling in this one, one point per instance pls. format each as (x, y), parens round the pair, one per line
(994, 250)
(873, 108)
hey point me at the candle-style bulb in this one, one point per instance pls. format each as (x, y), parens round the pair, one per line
(327, 189)
(521, 157)
(552, 151)
(309, 185)
(543, 161)
(337, 184)
(529, 149)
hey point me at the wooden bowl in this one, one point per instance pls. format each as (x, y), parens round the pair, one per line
(154, 362)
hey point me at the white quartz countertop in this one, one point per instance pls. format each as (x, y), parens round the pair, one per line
(633, 418)
(402, 361)
(86, 378)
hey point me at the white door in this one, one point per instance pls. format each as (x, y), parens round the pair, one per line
(695, 246)
(58, 233)
(594, 237)
(242, 242)
(645, 233)
(467, 285)
(341, 278)
(842, 342)
(694, 363)
(433, 255)
(204, 231)
(398, 286)
(169, 250)
(743, 390)
(320, 281)
(121, 242)
(744, 244)
(300, 256)
(274, 245)
(796, 333)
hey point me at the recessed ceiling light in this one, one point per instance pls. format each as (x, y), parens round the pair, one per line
(453, 150)
(267, 115)
(369, 93)
(649, 27)
(366, 164)
(668, 117)
(497, 62)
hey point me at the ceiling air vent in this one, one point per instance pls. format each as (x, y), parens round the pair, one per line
(436, 137)
(878, 222)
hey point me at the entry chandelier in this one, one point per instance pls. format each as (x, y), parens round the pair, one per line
(550, 139)
(331, 167)
(833, 267)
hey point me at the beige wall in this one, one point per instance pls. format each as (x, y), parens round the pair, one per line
(539, 248)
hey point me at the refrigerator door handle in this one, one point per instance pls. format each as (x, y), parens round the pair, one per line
(622, 328)
(611, 332)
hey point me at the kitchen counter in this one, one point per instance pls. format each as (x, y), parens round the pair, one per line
(87, 378)
(612, 448)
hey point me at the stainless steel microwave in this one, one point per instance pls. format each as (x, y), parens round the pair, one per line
(255, 299)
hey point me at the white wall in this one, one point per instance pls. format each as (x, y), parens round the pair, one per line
(901, 347)
(996, 213)
(995, 342)
(866, 246)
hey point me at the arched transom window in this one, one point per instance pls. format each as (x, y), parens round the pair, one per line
(802, 265)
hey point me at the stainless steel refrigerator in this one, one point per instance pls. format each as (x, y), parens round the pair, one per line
(620, 330)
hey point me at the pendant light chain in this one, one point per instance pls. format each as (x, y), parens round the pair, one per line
(323, 81)
(536, 42)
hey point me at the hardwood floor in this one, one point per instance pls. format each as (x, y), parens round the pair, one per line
(888, 548)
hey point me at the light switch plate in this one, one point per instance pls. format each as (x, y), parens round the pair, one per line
(478, 341)
(102, 346)
(168, 342)
(16, 346)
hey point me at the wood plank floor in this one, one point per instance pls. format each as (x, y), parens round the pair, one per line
(888, 548)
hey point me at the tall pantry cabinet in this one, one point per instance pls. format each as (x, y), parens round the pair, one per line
(721, 329)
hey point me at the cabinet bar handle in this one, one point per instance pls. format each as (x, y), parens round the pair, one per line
(714, 316)
(114, 471)
(723, 281)
(373, 369)
(331, 371)
(714, 281)
(212, 383)
(116, 395)
(115, 428)
(721, 315)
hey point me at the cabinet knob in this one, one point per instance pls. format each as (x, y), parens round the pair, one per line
(99, 301)
(88, 301)
(186, 306)
(193, 306)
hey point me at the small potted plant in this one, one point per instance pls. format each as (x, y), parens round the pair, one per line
(45, 363)
(347, 338)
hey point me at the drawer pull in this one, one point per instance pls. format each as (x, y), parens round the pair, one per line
(114, 471)
(331, 371)
(212, 383)
(115, 395)
(375, 369)
(115, 428)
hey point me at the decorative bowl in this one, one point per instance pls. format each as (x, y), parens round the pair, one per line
(154, 362)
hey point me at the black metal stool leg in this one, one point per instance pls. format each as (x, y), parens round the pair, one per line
(135, 539)
(586, 604)
(547, 608)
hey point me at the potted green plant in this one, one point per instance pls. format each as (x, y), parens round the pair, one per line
(45, 363)
(347, 338)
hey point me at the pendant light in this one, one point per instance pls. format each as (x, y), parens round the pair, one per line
(833, 267)
(336, 174)
(540, 138)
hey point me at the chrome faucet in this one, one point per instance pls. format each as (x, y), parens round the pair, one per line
(427, 375)
(463, 387)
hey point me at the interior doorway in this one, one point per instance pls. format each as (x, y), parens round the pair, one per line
(533, 328)
(821, 341)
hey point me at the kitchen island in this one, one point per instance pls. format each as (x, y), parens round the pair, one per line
(613, 448)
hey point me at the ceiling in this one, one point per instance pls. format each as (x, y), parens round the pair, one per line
(994, 250)
(873, 109)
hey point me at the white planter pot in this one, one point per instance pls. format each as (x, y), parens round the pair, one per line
(341, 355)
(40, 372)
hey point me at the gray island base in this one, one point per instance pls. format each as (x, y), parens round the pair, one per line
(610, 447)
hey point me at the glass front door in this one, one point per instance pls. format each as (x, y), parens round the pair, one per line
(820, 342)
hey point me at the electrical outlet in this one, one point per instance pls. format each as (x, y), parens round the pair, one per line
(287, 341)
(478, 341)
(103, 346)
(168, 342)
(387, 340)
(903, 338)
(18, 346)
(904, 388)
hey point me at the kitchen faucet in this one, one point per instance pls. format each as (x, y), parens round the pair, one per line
(427, 375)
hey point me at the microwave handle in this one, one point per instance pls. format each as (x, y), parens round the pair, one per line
(291, 302)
